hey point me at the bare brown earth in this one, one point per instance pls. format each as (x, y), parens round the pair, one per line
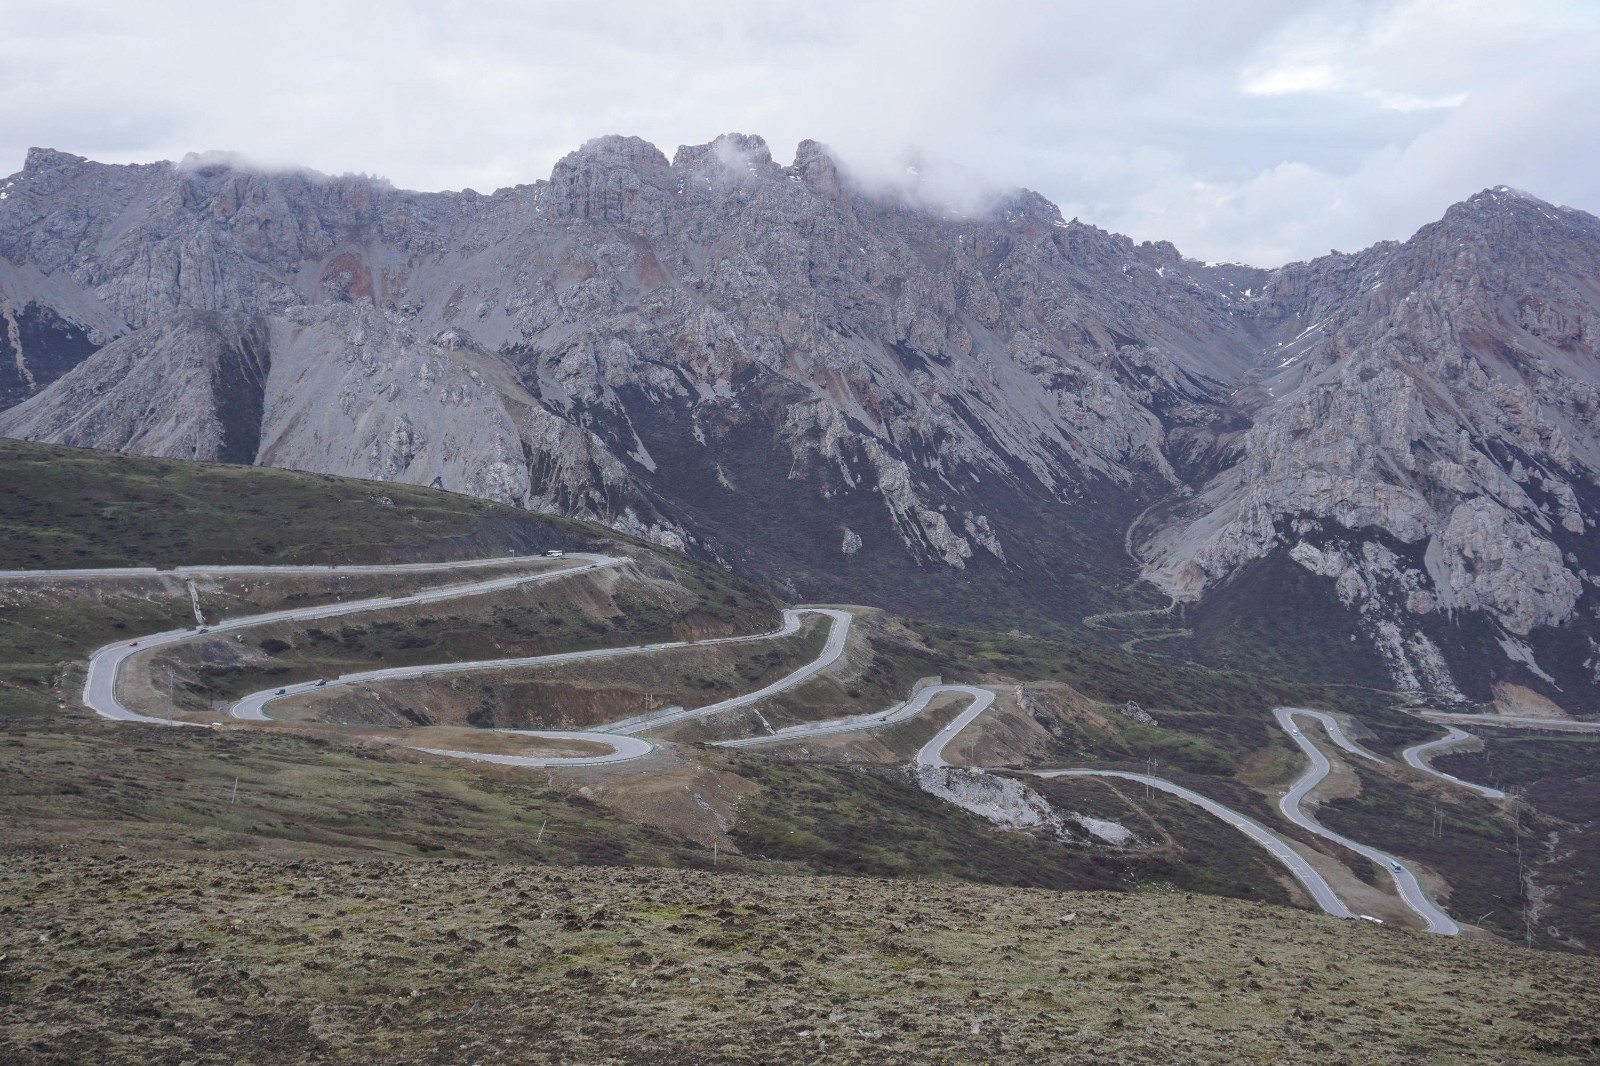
(1521, 702)
(131, 960)
(679, 797)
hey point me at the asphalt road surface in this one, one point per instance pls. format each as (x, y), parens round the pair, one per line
(1276, 846)
(1405, 881)
(1417, 756)
(1330, 723)
(1413, 756)
(618, 735)
(932, 753)
(1576, 725)
(838, 633)
(291, 568)
(253, 706)
(623, 749)
(900, 712)
(100, 695)
(105, 664)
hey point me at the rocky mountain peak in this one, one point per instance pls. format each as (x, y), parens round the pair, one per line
(1505, 196)
(1027, 210)
(732, 149)
(625, 180)
(733, 158)
(1505, 214)
(50, 159)
(817, 168)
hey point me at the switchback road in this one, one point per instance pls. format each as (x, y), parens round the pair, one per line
(1418, 754)
(253, 706)
(100, 694)
(1405, 881)
(105, 664)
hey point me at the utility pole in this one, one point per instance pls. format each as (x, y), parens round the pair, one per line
(541, 830)
(235, 789)
(1150, 765)
(1515, 796)
(169, 695)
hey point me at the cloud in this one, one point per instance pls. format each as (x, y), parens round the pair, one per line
(1239, 129)
(1280, 80)
(1404, 102)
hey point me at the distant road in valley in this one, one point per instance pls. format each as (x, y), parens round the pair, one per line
(1405, 881)
(1418, 754)
(104, 670)
(1507, 721)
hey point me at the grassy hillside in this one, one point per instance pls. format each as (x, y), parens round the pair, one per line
(328, 792)
(1558, 775)
(124, 959)
(71, 507)
(319, 793)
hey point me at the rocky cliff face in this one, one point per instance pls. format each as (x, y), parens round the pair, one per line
(1441, 393)
(846, 393)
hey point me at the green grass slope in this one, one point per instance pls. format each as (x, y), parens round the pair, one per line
(72, 507)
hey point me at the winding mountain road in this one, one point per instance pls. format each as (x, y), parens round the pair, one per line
(253, 706)
(105, 663)
(1276, 846)
(1574, 725)
(1417, 756)
(277, 571)
(100, 695)
(623, 749)
(838, 633)
(900, 712)
(1405, 881)
(1335, 731)
(932, 753)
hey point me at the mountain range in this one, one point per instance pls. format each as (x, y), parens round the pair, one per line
(1377, 468)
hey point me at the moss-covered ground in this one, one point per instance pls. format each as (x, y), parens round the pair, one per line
(132, 959)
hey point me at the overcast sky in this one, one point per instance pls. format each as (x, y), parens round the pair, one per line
(1250, 130)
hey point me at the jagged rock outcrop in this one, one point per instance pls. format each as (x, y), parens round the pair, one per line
(1441, 392)
(845, 392)
(1010, 804)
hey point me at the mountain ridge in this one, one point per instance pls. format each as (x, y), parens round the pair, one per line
(780, 370)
